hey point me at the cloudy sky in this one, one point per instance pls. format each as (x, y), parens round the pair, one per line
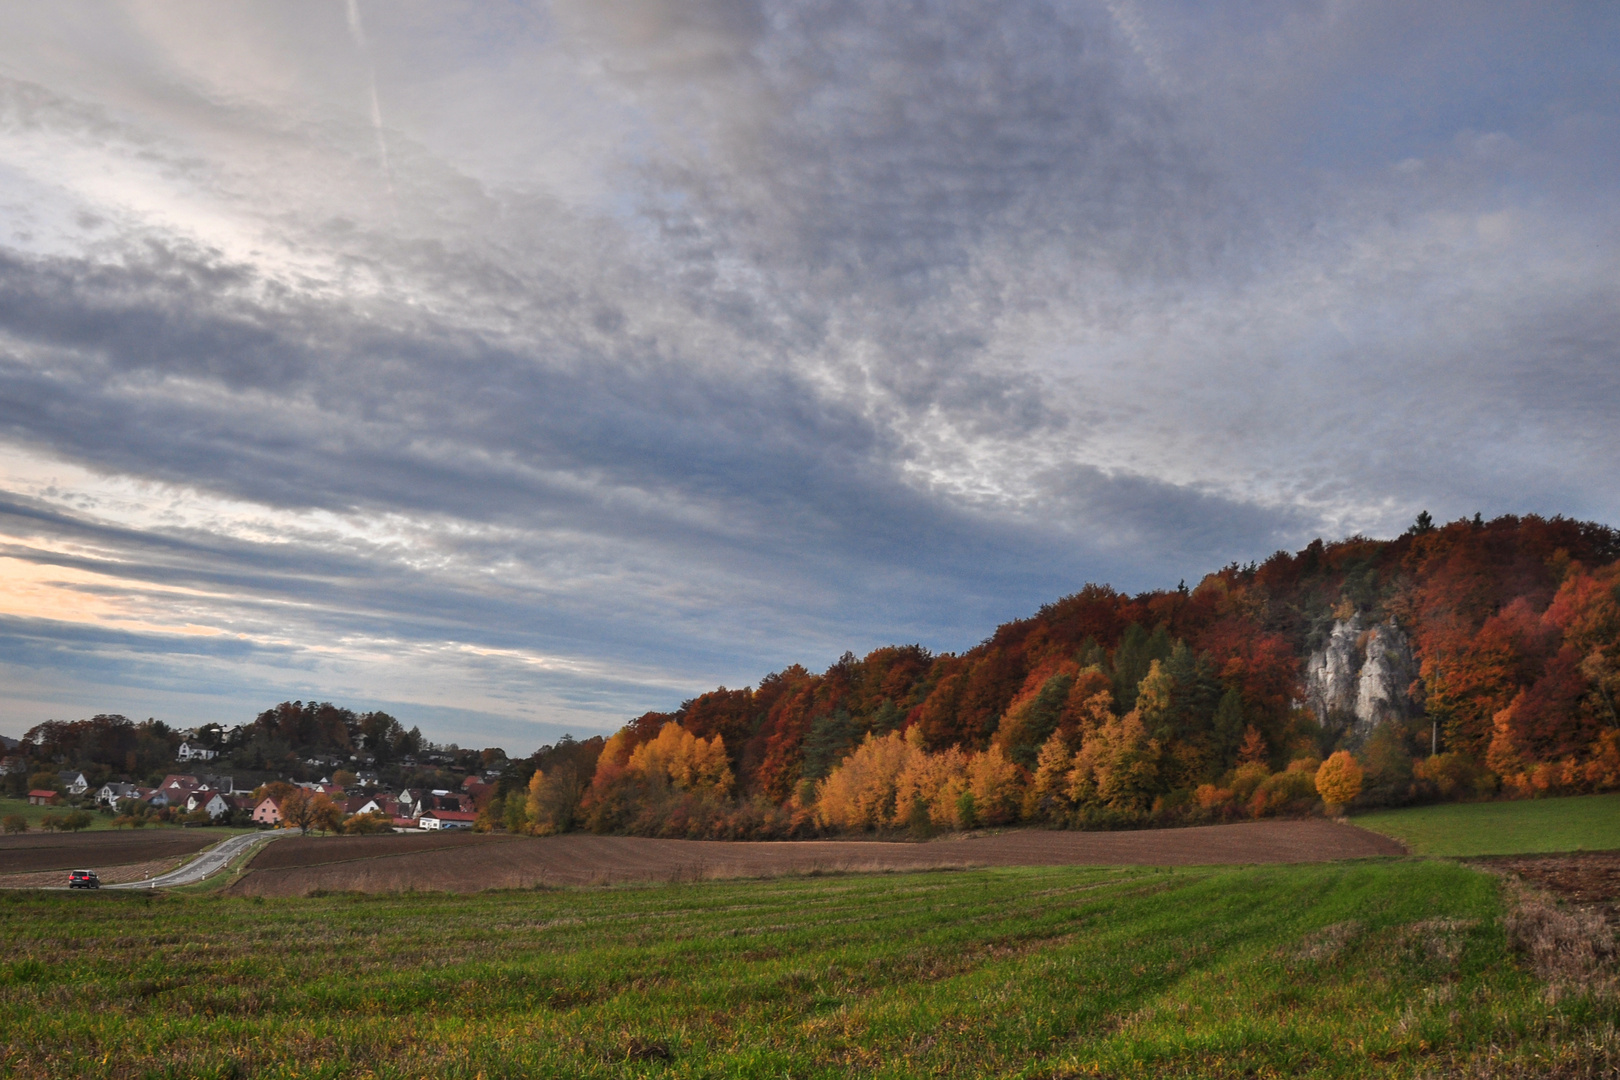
(521, 367)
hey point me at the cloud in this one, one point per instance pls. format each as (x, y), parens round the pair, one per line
(677, 342)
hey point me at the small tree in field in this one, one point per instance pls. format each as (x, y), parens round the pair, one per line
(1338, 781)
(298, 810)
(325, 814)
(16, 823)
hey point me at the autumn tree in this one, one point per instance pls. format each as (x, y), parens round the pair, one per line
(1047, 799)
(861, 792)
(298, 810)
(1338, 781)
(324, 814)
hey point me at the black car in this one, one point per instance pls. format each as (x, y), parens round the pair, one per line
(83, 879)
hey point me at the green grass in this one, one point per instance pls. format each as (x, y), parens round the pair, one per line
(1376, 968)
(34, 813)
(99, 821)
(1580, 823)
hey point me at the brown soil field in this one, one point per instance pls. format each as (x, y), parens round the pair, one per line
(114, 875)
(317, 851)
(1588, 879)
(93, 850)
(470, 863)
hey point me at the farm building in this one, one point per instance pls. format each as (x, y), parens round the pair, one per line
(446, 819)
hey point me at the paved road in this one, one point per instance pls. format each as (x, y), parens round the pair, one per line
(209, 862)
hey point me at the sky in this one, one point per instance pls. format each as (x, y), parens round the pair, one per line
(518, 368)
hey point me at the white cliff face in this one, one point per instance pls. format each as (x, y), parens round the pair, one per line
(1330, 674)
(1387, 671)
(1361, 675)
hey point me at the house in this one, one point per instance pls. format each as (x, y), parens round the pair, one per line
(177, 786)
(192, 752)
(446, 819)
(74, 781)
(153, 797)
(362, 804)
(200, 798)
(268, 811)
(111, 794)
(218, 805)
(439, 799)
(13, 763)
(42, 797)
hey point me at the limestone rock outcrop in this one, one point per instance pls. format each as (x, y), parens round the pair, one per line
(1361, 675)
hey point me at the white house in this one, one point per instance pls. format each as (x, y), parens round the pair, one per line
(109, 795)
(217, 806)
(191, 752)
(75, 782)
(446, 819)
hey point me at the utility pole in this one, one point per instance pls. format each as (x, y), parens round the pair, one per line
(1434, 738)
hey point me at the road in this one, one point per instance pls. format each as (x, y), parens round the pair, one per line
(209, 862)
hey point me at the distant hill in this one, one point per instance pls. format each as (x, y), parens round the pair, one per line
(1490, 647)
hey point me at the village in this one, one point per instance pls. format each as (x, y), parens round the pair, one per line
(349, 801)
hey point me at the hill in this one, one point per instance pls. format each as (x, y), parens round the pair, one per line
(1451, 662)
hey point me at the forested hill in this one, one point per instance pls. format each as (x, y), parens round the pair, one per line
(1491, 647)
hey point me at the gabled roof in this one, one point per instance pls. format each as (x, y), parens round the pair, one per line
(38, 793)
(450, 815)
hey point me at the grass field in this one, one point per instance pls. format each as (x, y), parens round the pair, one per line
(34, 813)
(1580, 823)
(1377, 968)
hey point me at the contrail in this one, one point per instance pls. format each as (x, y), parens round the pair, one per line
(358, 32)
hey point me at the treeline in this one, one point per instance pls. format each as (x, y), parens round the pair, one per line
(1187, 704)
(295, 739)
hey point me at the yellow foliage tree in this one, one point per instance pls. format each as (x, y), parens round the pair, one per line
(1338, 781)
(1047, 796)
(1154, 693)
(1117, 767)
(935, 782)
(533, 804)
(861, 792)
(683, 759)
(325, 815)
(997, 786)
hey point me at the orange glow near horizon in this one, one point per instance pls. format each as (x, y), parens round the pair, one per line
(33, 590)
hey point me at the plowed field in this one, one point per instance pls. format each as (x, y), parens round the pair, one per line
(473, 863)
(94, 850)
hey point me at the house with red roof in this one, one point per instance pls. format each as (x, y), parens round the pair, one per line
(446, 819)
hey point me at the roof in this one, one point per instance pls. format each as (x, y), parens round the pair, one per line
(450, 815)
(37, 792)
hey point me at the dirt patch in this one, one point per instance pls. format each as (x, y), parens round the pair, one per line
(113, 875)
(1588, 879)
(94, 850)
(471, 863)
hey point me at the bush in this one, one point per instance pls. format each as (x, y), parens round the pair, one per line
(1294, 789)
(14, 823)
(363, 824)
(1338, 781)
(1451, 776)
(1247, 778)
